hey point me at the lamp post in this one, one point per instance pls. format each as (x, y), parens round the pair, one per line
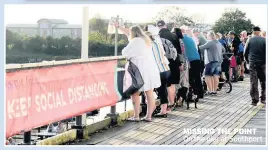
(116, 34)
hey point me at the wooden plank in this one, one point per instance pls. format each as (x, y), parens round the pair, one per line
(225, 117)
(173, 138)
(61, 138)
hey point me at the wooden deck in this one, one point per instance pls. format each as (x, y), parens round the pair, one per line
(225, 111)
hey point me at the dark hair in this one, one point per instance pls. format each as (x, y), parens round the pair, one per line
(177, 31)
(146, 28)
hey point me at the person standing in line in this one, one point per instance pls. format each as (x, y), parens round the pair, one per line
(162, 64)
(213, 50)
(139, 51)
(255, 54)
(194, 60)
(183, 86)
(243, 38)
(235, 49)
(202, 40)
(175, 65)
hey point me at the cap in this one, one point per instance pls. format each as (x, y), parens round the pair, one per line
(232, 32)
(160, 23)
(256, 28)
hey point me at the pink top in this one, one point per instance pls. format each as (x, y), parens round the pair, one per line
(233, 61)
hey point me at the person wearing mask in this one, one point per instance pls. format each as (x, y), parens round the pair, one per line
(139, 51)
(194, 59)
(175, 65)
(162, 64)
(235, 42)
(255, 54)
(213, 50)
(184, 80)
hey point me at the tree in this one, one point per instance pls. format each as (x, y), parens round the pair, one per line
(233, 20)
(98, 24)
(175, 16)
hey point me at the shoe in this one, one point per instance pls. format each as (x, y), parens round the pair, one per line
(161, 115)
(263, 102)
(214, 93)
(241, 78)
(132, 119)
(208, 93)
(254, 102)
(234, 80)
(146, 119)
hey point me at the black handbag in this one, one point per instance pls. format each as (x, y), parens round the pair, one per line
(133, 80)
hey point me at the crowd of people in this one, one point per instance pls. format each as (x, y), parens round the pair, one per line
(172, 61)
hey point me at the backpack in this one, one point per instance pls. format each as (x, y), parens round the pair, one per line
(171, 51)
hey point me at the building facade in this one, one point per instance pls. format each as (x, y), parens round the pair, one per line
(56, 28)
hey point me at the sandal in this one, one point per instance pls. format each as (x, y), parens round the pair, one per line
(171, 107)
(132, 119)
(146, 119)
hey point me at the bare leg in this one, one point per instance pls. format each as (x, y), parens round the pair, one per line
(242, 69)
(171, 94)
(136, 104)
(215, 82)
(209, 84)
(164, 109)
(151, 104)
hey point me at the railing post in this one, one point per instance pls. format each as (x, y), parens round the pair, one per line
(27, 138)
(113, 115)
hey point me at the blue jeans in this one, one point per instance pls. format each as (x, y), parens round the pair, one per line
(213, 68)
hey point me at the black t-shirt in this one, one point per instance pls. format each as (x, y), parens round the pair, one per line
(235, 44)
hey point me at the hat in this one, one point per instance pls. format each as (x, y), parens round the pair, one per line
(256, 28)
(160, 23)
(232, 32)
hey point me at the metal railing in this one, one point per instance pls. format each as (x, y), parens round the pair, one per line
(113, 114)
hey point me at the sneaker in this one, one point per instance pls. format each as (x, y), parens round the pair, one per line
(213, 93)
(254, 102)
(263, 102)
(241, 78)
(208, 93)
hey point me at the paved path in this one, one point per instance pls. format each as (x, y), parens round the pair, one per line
(221, 115)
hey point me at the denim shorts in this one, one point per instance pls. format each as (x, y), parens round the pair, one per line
(213, 68)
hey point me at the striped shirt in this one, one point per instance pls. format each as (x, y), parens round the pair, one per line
(159, 56)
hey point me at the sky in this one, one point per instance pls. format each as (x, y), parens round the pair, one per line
(29, 14)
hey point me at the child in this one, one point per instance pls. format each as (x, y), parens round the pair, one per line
(232, 70)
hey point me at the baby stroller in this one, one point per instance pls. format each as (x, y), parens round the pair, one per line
(224, 81)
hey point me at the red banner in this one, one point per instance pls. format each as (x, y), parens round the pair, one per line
(38, 97)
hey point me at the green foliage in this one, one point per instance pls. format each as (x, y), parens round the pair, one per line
(175, 16)
(233, 19)
(34, 49)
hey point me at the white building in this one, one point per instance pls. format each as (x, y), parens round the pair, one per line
(56, 28)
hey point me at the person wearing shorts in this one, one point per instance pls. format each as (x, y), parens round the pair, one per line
(213, 50)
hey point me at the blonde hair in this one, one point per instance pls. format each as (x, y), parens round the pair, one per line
(136, 31)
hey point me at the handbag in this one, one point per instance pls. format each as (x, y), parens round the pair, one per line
(133, 80)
